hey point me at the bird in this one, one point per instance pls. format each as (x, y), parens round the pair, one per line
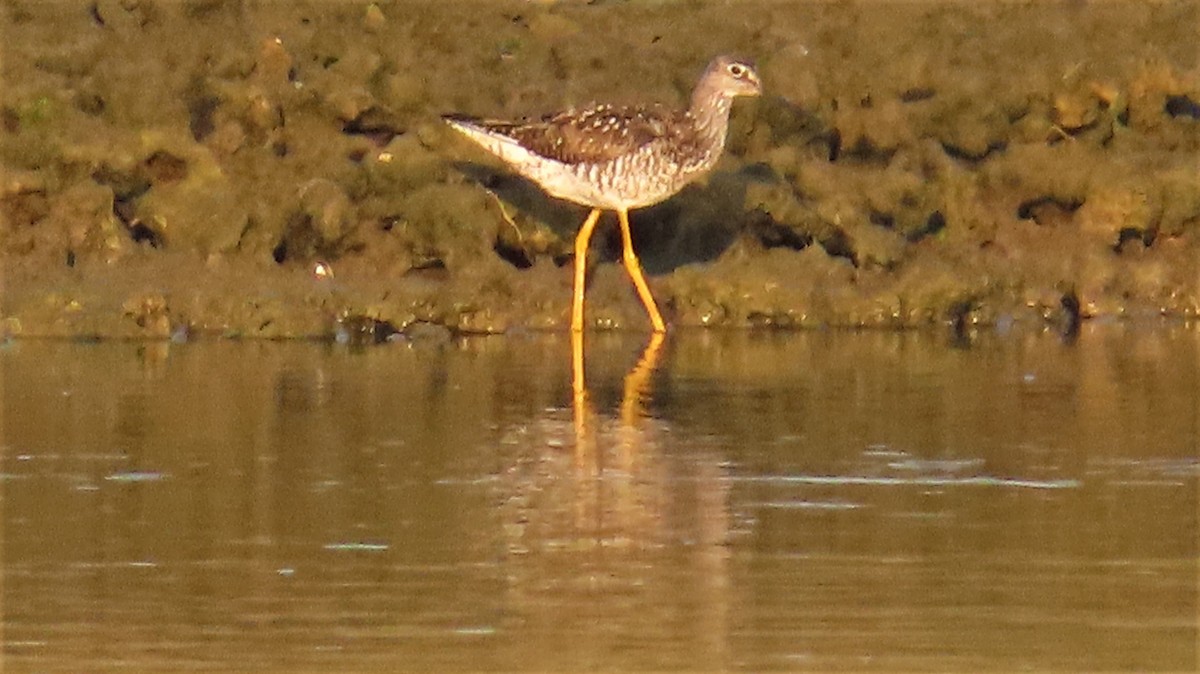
(619, 158)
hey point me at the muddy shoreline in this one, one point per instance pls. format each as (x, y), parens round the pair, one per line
(280, 169)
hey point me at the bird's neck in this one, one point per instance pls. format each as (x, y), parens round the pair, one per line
(710, 109)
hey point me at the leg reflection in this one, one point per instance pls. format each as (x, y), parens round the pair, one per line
(580, 407)
(637, 382)
(634, 395)
(636, 390)
(597, 536)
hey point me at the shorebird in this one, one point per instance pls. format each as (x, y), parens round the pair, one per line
(619, 158)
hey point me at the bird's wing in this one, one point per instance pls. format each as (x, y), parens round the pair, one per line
(591, 136)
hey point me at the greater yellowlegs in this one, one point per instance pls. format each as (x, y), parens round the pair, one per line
(619, 158)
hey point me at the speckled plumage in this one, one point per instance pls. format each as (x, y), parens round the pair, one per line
(611, 157)
(619, 158)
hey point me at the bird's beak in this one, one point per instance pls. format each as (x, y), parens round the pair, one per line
(756, 88)
(753, 85)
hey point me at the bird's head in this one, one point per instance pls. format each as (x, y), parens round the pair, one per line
(734, 76)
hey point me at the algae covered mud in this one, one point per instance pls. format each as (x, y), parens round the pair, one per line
(279, 169)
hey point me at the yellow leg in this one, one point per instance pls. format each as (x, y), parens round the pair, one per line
(578, 385)
(635, 272)
(581, 248)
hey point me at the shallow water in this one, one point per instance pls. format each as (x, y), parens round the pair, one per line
(720, 500)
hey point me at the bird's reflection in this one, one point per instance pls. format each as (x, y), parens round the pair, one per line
(635, 393)
(605, 520)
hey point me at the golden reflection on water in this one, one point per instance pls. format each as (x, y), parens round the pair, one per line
(589, 535)
(705, 501)
(633, 398)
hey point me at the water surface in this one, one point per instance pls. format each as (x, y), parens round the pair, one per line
(717, 501)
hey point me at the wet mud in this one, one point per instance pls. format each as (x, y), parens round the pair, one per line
(280, 169)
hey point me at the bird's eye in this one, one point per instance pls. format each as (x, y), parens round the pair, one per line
(737, 69)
